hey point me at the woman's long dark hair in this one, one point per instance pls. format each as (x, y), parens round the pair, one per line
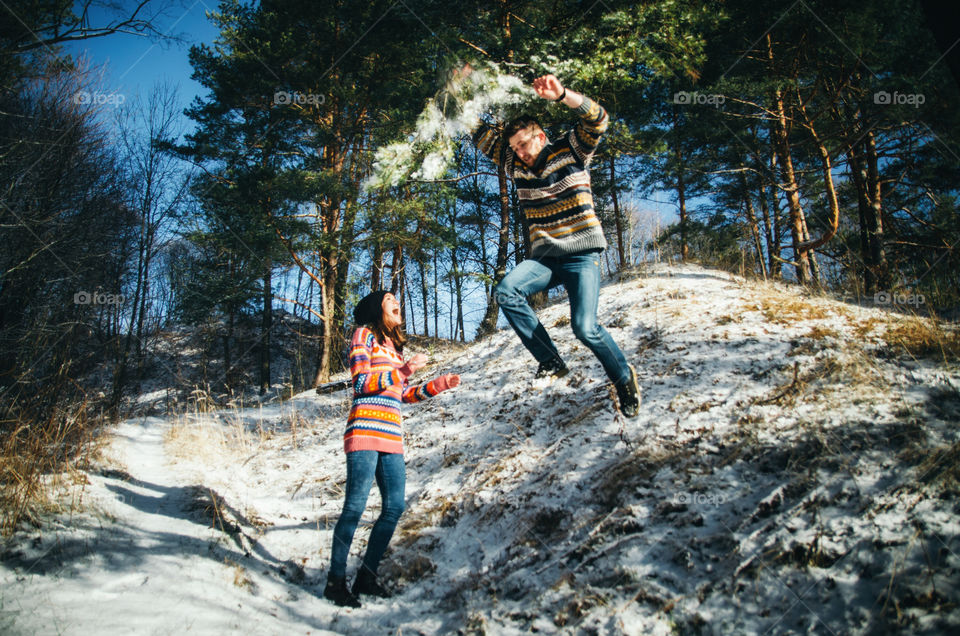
(381, 333)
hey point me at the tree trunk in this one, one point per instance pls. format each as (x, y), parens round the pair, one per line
(785, 160)
(396, 270)
(227, 337)
(681, 185)
(858, 174)
(265, 326)
(406, 301)
(424, 293)
(826, 165)
(376, 272)
(482, 229)
(754, 227)
(878, 256)
(769, 234)
(436, 296)
(458, 288)
(489, 323)
(616, 213)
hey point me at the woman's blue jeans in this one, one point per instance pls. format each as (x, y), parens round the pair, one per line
(362, 467)
(580, 275)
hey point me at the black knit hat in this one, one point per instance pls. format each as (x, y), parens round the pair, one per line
(369, 308)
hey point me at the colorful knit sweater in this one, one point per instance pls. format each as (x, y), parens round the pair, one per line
(379, 386)
(555, 193)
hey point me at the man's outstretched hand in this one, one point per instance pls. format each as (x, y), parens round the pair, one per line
(463, 71)
(548, 87)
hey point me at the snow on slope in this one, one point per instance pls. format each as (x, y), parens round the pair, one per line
(789, 472)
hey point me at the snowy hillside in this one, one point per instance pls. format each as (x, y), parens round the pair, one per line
(794, 469)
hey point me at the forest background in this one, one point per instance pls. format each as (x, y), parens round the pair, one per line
(809, 141)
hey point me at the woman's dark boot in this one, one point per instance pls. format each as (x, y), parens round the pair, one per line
(338, 592)
(366, 583)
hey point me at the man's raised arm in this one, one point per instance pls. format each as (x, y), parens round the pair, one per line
(585, 137)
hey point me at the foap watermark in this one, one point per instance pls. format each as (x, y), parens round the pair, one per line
(507, 299)
(895, 98)
(97, 298)
(888, 298)
(287, 98)
(111, 99)
(699, 498)
(700, 99)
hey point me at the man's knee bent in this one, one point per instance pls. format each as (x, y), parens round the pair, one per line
(507, 295)
(586, 331)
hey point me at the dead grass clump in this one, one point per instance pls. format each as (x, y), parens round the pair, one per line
(804, 555)
(201, 401)
(633, 470)
(788, 309)
(577, 608)
(819, 333)
(845, 372)
(548, 523)
(404, 567)
(451, 459)
(241, 577)
(941, 466)
(863, 328)
(205, 438)
(39, 456)
(919, 337)
(853, 369)
(209, 506)
(784, 394)
(444, 513)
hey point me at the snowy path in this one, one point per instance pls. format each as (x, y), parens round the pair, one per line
(147, 563)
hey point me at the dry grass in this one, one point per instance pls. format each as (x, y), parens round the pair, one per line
(208, 436)
(241, 577)
(920, 337)
(864, 328)
(819, 333)
(941, 466)
(205, 441)
(728, 319)
(39, 461)
(787, 309)
(635, 469)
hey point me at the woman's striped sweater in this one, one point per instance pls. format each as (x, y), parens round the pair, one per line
(379, 386)
(555, 193)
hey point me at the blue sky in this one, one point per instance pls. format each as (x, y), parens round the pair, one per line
(132, 65)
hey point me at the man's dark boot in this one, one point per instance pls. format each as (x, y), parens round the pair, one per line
(628, 395)
(338, 592)
(552, 367)
(366, 583)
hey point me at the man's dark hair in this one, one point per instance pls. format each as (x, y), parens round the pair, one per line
(520, 123)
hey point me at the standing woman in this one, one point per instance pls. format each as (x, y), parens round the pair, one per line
(373, 440)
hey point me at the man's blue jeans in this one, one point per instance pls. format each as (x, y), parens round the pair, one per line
(362, 467)
(580, 275)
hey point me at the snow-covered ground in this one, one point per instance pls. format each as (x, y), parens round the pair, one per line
(791, 471)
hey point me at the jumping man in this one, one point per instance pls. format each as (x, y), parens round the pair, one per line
(566, 239)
